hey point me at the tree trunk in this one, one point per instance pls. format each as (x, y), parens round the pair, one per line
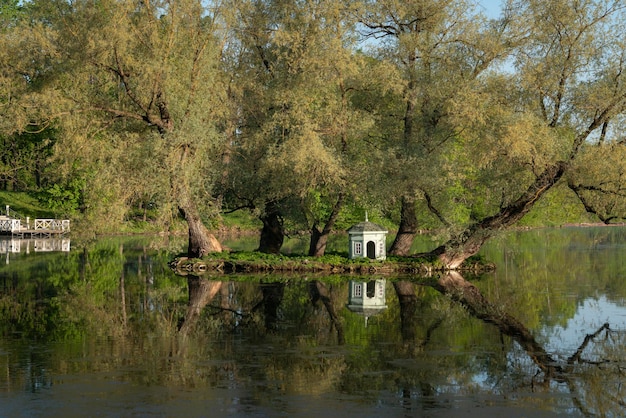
(407, 229)
(319, 239)
(455, 251)
(408, 219)
(201, 241)
(272, 234)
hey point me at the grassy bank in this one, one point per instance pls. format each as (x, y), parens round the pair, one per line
(24, 204)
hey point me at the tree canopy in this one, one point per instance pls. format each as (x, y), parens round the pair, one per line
(427, 113)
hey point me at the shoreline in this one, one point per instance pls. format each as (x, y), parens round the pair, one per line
(222, 266)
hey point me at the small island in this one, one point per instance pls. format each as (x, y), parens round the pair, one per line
(255, 262)
(366, 255)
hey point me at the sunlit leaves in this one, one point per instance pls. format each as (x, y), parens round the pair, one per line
(277, 100)
(300, 131)
(136, 90)
(599, 179)
(569, 49)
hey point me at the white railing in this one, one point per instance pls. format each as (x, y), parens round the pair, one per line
(11, 222)
(52, 224)
(10, 213)
(10, 225)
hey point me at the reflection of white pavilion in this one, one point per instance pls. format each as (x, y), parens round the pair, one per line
(367, 298)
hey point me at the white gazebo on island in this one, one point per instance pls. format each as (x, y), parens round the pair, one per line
(367, 239)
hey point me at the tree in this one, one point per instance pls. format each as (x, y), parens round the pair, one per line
(296, 71)
(568, 84)
(479, 144)
(24, 159)
(119, 76)
(439, 49)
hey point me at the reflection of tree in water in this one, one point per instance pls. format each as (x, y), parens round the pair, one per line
(462, 291)
(273, 294)
(284, 357)
(595, 382)
(409, 305)
(319, 292)
(201, 292)
(592, 374)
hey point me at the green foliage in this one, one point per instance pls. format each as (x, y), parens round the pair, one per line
(24, 161)
(558, 207)
(135, 148)
(240, 220)
(120, 114)
(64, 200)
(10, 12)
(599, 183)
(269, 259)
(24, 204)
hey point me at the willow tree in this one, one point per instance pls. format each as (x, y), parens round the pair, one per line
(439, 48)
(528, 130)
(122, 76)
(295, 153)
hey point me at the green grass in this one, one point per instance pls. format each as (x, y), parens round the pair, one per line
(24, 204)
(331, 258)
(242, 220)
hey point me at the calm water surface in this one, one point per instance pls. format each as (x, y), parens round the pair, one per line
(105, 329)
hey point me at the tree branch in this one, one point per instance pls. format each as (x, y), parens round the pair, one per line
(576, 357)
(434, 210)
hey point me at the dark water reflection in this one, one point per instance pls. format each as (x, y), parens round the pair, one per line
(107, 330)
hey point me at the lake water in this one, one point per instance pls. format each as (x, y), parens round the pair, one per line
(105, 329)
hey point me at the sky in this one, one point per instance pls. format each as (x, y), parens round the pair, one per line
(491, 7)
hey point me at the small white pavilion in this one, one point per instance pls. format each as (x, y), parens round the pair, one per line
(367, 239)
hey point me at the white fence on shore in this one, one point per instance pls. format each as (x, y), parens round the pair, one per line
(52, 224)
(11, 223)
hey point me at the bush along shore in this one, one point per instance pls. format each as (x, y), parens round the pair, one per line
(255, 262)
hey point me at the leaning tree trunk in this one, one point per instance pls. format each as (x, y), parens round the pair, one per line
(407, 230)
(272, 234)
(201, 241)
(319, 239)
(454, 252)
